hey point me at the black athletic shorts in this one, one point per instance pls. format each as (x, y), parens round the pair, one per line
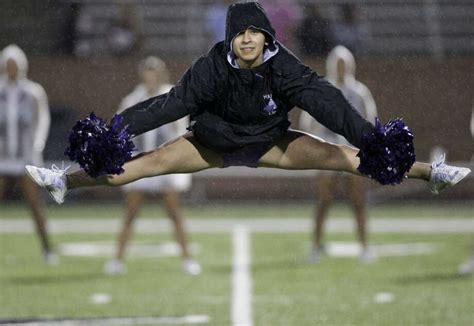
(246, 156)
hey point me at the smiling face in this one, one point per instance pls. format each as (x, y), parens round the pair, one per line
(151, 79)
(248, 48)
(12, 69)
(341, 72)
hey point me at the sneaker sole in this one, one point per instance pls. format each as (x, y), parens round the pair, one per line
(463, 172)
(58, 200)
(30, 172)
(36, 179)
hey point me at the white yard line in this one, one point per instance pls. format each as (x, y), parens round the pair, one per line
(224, 225)
(190, 319)
(241, 278)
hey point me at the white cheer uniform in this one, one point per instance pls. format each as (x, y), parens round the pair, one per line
(151, 140)
(24, 118)
(353, 90)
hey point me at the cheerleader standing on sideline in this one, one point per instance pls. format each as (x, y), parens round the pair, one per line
(154, 75)
(24, 128)
(340, 71)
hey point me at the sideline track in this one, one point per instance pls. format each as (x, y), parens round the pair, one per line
(259, 225)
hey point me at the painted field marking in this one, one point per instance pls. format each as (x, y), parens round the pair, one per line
(353, 249)
(241, 278)
(383, 297)
(179, 320)
(135, 249)
(100, 298)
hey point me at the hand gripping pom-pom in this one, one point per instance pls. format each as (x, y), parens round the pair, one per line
(387, 153)
(100, 148)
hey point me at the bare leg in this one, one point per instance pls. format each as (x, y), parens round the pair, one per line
(3, 183)
(357, 196)
(420, 171)
(324, 192)
(31, 194)
(171, 201)
(300, 151)
(182, 155)
(133, 202)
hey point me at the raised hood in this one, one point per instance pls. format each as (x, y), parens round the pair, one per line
(244, 15)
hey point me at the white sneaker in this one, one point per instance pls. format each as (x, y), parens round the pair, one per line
(467, 267)
(115, 267)
(50, 258)
(315, 254)
(191, 267)
(367, 256)
(443, 175)
(53, 180)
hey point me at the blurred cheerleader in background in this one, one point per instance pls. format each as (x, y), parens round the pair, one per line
(155, 81)
(24, 128)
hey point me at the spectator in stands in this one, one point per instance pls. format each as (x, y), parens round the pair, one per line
(68, 38)
(154, 76)
(239, 95)
(348, 30)
(124, 33)
(314, 34)
(86, 31)
(24, 127)
(214, 20)
(117, 33)
(340, 70)
(285, 16)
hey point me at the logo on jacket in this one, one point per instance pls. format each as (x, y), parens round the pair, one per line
(270, 105)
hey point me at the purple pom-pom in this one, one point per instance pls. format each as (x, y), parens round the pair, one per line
(98, 147)
(387, 153)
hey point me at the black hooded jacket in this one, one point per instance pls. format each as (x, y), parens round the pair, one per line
(232, 107)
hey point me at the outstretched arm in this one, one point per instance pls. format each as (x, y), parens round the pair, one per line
(153, 113)
(324, 102)
(189, 96)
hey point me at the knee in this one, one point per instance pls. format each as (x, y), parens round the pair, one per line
(128, 220)
(107, 180)
(326, 155)
(333, 154)
(358, 207)
(358, 200)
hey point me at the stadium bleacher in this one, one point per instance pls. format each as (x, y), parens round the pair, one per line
(408, 39)
(397, 27)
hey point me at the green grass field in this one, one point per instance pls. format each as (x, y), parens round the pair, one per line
(424, 288)
(256, 210)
